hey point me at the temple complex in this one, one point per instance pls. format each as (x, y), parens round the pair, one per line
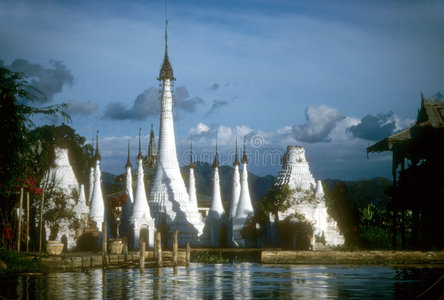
(162, 203)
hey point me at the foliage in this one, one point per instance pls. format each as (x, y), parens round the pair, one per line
(63, 136)
(15, 123)
(361, 210)
(17, 263)
(57, 212)
(118, 201)
(277, 200)
(209, 257)
(297, 226)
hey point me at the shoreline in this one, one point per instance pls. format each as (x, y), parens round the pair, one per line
(271, 257)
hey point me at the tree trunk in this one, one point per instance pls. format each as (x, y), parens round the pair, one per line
(394, 231)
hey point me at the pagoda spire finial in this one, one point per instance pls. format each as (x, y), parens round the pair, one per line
(166, 71)
(128, 162)
(216, 158)
(244, 154)
(236, 160)
(191, 154)
(97, 156)
(139, 155)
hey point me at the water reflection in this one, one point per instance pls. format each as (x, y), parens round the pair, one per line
(225, 281)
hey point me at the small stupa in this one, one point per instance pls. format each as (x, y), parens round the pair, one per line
(216, 213)
(61, 178)
(97, 206)
(244, 207)
(140, 214)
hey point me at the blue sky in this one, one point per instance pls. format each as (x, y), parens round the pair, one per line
(331, 76)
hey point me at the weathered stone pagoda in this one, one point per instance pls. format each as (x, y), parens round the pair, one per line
(308, 196)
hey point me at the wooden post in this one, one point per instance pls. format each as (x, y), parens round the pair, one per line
(159, 249)
(188, 254)
(175, 246)
(141, 238)
(20, 220)
(27, 221)
(104, 234)
(142, 255)
(155, 245)
(41, 222)
(125, 246)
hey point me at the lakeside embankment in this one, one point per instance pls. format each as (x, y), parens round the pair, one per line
(72, 261)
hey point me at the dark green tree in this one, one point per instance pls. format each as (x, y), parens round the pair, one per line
(15, 124)
(49, 136)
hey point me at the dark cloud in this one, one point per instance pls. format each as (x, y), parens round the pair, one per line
(216, 105)
(214, 86)
(320, 122)
(49, 80)
(148, 104)
(81, 108)
(374, 128)
(183, 102)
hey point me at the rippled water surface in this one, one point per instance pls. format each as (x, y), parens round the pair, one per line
(226, 281)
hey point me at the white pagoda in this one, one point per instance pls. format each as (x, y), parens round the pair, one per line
(169, 201)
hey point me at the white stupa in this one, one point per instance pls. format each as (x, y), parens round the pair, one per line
(308, 198)
(169, 201)
(141, 215)
(244, 207)
(60, 177)
(92, 165)
(191, 181)
(81, 209)
(236, 188)
(127, 208)
(216, 213)
(97, 207)
(235, 194)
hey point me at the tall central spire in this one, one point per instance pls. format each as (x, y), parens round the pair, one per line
(169, 200)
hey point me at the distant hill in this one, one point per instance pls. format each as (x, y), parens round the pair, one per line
(259, 186)
(360, 192)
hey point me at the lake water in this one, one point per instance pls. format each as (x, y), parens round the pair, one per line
(227, 281)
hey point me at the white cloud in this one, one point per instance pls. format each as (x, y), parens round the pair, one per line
(198, 130)
(321, 120)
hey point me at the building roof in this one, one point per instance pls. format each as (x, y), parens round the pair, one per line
(430, 115)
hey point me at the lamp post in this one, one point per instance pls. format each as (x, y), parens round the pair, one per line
(117, 204)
